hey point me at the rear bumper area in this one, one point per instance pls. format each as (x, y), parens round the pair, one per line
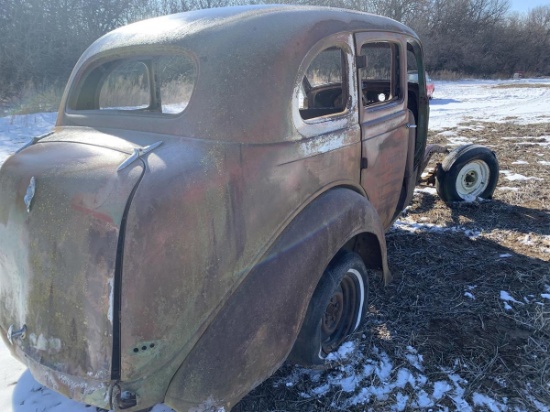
(84, 390)
(107, 394)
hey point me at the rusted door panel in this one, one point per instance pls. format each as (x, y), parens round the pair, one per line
(385, 154)
(384, 132)
(57, 260)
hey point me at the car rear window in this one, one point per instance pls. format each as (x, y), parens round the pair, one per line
(150, 84)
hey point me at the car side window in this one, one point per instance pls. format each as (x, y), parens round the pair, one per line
(324, 89)
(380, 82)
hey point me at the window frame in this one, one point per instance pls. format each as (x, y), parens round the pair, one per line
(394, 106)
(395, 92)
(154, 109)
(335, 121)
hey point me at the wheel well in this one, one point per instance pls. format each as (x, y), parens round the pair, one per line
(367, 246)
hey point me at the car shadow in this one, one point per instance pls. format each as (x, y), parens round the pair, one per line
(495, 214)
(488, 215)
(440, 102)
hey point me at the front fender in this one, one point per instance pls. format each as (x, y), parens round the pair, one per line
(255, 331)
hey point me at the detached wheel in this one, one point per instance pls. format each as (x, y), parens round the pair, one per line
(337, 308)
(468, 172)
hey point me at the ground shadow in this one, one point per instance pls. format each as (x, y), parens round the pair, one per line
(441, 102)
(487, 215)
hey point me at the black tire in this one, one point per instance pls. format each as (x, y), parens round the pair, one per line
(337, 308)
(468, 172)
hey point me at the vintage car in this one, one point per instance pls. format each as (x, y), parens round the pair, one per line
(211, 201)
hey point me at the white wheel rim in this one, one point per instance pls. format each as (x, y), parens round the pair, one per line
(473, 179)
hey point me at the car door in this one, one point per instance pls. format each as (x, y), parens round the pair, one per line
(384, 119)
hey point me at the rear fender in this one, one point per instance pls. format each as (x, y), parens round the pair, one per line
(255, 331)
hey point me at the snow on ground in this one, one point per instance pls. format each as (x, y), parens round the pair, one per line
(16, 130)
(454, 102)
(457, 101)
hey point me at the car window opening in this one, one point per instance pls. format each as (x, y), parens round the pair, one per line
(380, 77)
(324, 90)
(153, 84)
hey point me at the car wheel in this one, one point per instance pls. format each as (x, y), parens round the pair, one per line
(468, 172)
(337, 308)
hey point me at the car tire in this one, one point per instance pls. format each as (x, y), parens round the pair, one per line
(337, 308)
(467, 173)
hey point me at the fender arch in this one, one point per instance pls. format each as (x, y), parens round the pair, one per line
(256, 330)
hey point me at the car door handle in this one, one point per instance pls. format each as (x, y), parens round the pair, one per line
(411, 126)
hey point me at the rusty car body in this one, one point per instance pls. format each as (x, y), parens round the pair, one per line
(160, 248)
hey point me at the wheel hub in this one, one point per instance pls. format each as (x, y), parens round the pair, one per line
(473, 179)
(333, 313)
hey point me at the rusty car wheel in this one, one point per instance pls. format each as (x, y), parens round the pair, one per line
(467, 173)
(337, 308)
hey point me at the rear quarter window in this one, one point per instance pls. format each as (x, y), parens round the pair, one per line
(148, 84)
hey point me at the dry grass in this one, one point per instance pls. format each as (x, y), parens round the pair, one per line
(500, 245)
(34, 99)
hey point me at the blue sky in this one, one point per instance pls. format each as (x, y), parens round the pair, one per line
(526, 5)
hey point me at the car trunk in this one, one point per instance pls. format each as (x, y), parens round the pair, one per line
(58, 251)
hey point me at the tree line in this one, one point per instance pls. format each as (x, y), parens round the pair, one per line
(41, 40)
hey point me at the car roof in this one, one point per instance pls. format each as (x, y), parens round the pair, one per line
(225, 25)
(248, 56)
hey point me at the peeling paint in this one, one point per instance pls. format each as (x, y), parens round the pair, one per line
(42, 343)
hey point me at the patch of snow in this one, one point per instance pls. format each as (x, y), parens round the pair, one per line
(459, 141)
(426, 189)
(374, 377)
(508, 298)
(469, 295)
(447, 133)
(545, 295)
(539, 405)
(414, 358)
(440, 389)
(401, 402)
(489, 403)
(516, 176)
(520, 162)
(344, 351)
(423, 400)
(505, 255)
(414, 227)
(544, 162)
(507, 188)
